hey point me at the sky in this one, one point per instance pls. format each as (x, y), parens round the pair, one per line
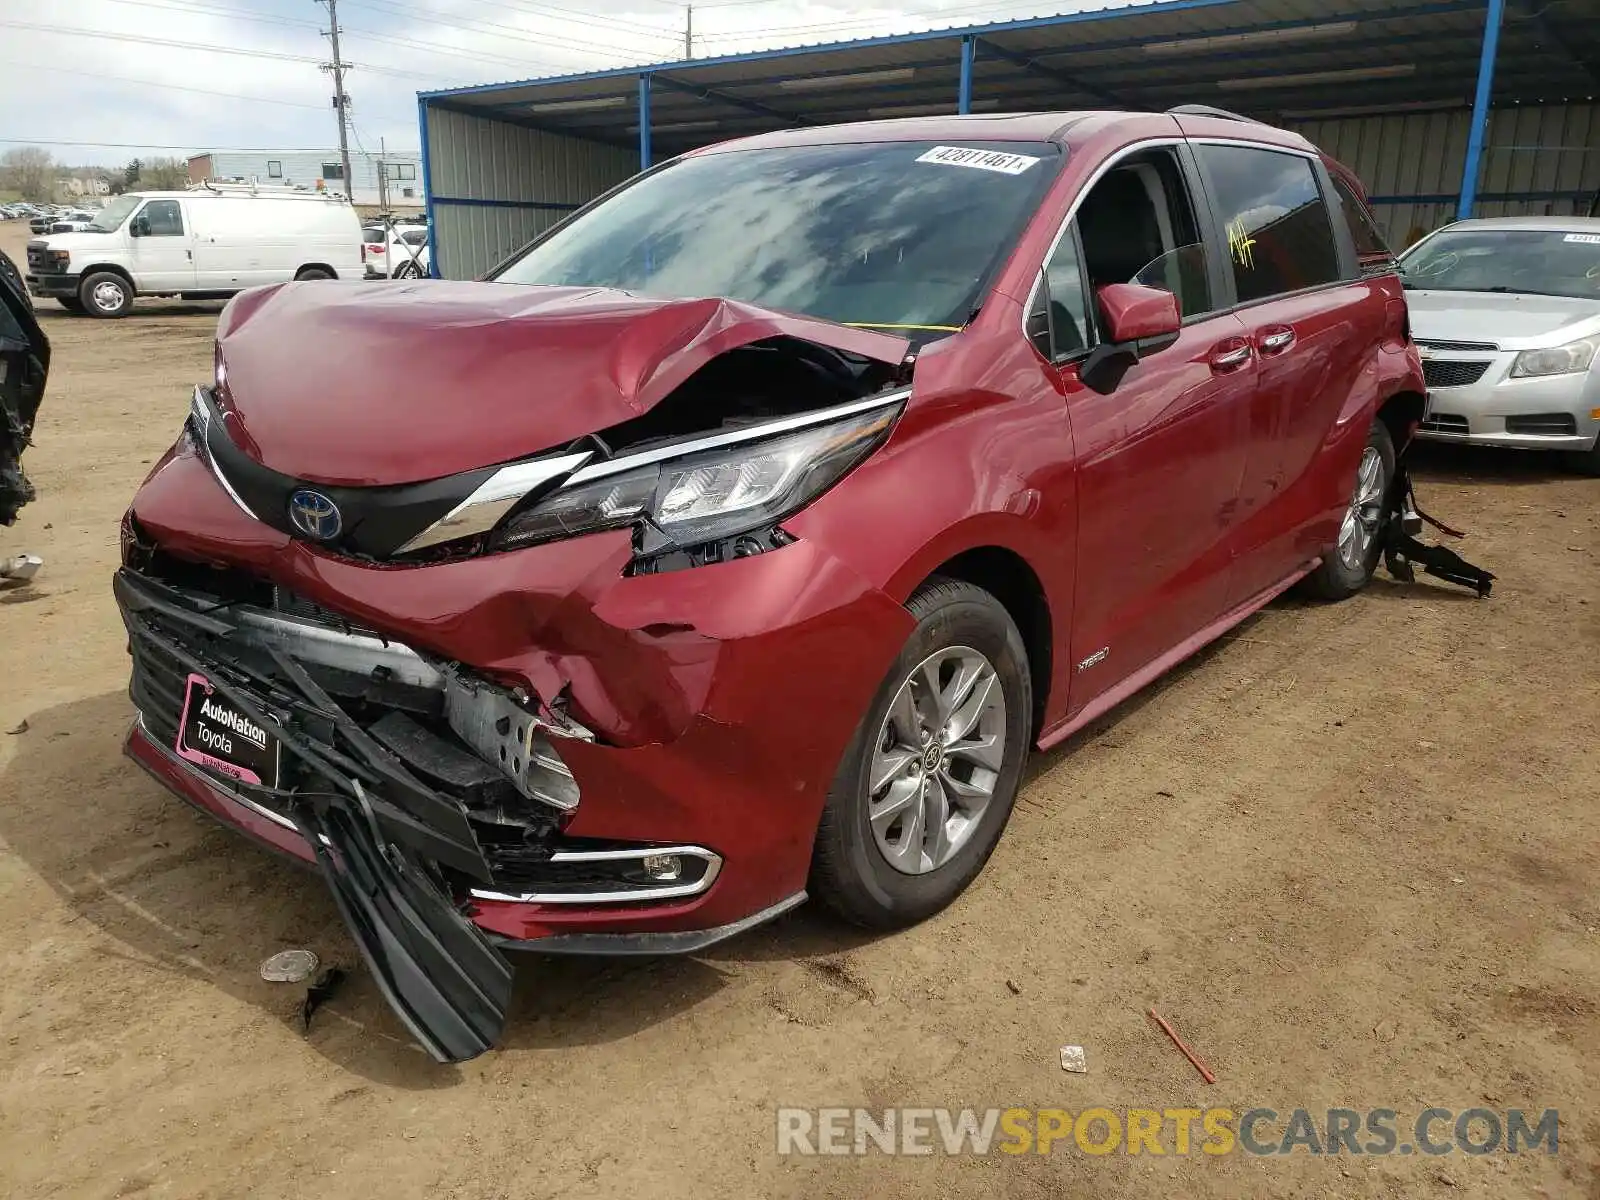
(103, 81)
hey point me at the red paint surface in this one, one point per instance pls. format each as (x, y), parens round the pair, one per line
(725, 696)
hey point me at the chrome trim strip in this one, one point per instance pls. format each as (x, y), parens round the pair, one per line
(628, 944)
(215, 785)
(493, 498)
(667, 892)
(201, 411)
(313, 642)
(754, 433)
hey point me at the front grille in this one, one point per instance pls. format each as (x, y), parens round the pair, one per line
(1544, 425)
(1435, 344)
(1445, 423)
(38, 262)
(1448, 373)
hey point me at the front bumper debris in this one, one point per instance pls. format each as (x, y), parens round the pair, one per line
(386, 843)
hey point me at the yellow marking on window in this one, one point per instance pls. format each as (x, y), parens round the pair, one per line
(1241, 244)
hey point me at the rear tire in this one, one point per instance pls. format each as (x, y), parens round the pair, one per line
(408, 270)
(890, 856)
(1348, 566)
(307, 273)
(105, 294)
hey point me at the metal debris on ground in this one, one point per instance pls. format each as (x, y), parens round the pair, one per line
(20, 568)
(289, 966)
(1072, 1059)
(322, 990)
(1205, 1071)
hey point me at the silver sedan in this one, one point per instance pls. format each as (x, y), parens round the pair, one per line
(1506, 314)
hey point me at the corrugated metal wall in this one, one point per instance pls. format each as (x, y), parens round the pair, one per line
(1536, 161)
(495, 185)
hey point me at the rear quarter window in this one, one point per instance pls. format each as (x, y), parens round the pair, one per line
(1364, 232)
(1278, 233)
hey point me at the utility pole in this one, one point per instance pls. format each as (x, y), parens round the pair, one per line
(383, 175)
(688, 32)
(341, 100)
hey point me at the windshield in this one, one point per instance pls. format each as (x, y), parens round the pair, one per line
(114, 214)
(1538, 262)
(890, 235)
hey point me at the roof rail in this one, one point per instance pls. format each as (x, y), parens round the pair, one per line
(1207, 110)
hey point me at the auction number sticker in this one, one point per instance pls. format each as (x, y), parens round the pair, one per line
(981, 160)
(1588, 239)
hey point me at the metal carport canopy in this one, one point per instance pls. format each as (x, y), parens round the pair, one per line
(1276, 59)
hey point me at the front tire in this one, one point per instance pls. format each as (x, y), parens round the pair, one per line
(1349, 565)
(928, 782)
(72, 304)
(105, 294)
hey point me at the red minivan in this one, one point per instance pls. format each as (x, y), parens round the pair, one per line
(735, 541)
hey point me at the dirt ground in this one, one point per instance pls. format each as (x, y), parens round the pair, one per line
(1350, 852)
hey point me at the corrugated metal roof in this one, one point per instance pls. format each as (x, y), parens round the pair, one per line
(1279, 59)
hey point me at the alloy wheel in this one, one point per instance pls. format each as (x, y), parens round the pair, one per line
(936, 760)
(1360, 525)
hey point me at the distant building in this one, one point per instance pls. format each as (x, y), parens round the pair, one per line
(318, 170)
(73, 188)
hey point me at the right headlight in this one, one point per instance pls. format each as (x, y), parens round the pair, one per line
(704, 492)
(1558, 360)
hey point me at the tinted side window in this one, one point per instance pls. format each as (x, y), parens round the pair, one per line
(1279, 236)
(164, 217)
(1363, 232)
(1069, 304)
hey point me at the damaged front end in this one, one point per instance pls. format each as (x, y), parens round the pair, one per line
(415, 744)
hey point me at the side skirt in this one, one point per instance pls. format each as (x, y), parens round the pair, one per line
(1158, 667)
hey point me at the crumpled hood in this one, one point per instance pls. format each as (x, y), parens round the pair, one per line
(373, 384)
(1508, 319)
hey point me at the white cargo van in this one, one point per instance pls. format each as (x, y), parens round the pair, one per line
(210, 241)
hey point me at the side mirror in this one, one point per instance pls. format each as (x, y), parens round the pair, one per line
(139, 227)
(1137, 321)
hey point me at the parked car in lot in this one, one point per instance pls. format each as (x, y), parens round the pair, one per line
(1506, 313)
(736, 541)
(208, 242)
(73, 221)
(399, 251)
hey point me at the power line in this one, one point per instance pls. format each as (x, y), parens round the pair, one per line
(158, 84)
(215, 10)
(576, 16)
(277, 56)
(152, 146)
(477, 26)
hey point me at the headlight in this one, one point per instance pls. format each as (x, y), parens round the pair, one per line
(1560, 360)
(703, 495)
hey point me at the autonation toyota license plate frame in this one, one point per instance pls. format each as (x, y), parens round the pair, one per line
(213, 734)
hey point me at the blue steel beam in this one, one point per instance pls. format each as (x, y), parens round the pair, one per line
(1480, 108)
(969, 55)
(750, 106)
(1065, 20)
(427, 189)
(644, 120)
(1034, 67)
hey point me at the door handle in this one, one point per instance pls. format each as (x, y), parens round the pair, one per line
(1276, 341)
(1230, 356)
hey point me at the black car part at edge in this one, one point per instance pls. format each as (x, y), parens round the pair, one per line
(24, 367)
(375, 848)
(1401, 550)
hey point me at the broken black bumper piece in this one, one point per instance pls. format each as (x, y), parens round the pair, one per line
(383, 839)
(437, 970)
